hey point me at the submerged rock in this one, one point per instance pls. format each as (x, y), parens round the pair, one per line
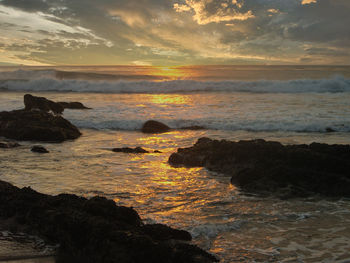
(73, 105)
(194, 128)
(130, 150)
(9, 144)
(40, 103)
(329, 129)
(39, 149)
(36, 126)
(154, 127)
(94, 230)
(268, 167)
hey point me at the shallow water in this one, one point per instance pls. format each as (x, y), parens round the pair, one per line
(230, 224)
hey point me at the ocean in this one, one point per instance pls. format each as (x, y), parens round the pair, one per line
(289, 104)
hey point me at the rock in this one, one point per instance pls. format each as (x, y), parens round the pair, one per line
(40, 103)
(267, 167)
(328, 129)
(73, 105)
(9, 144)
(163, 232)
(94, 230)
(36, 126)
(156, 151)
(154, 127)
(130, 150)
(39, 149)
(195, 127)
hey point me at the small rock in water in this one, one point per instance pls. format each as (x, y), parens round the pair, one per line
(194, 128)
(9, 144)
(39, 149)
(328, 129)
(75, 105)
(156, 151)
(154, 127)
(130, 150)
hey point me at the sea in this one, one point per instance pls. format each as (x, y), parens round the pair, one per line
(289, 104)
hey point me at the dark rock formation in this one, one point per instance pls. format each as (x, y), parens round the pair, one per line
(39, 149)
(265, 167)
(40, 103)
(73, 105)
(154, 127)
(95, 230)
(194, 128)
(130, 150)
(36, 126)
(9, 144)
(328, 129)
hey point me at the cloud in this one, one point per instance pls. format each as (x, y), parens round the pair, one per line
(174, 32)
(211, 11)
(307, 2)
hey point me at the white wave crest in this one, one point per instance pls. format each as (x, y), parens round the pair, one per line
(333, 85)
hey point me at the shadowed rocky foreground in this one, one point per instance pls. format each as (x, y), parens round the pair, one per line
(94, 230)
(267, 167)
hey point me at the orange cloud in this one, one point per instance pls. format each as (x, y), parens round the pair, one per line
(306, 2)
(223, 13)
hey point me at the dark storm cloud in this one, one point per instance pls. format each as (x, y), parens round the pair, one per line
(28, 5)
(188, 31)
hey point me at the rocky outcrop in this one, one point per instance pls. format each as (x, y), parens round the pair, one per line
(40, 103)
(36, 126)
(73, 105)
(266, 167)
(130, 150)
(9, 145)
(94, 230)
(152, 126)
(39, 149)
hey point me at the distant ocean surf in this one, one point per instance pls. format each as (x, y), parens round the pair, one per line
(53, 80)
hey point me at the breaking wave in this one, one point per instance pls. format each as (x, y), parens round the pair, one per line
(46, 80)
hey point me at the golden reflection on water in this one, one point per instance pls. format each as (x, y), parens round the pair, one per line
(172, 99)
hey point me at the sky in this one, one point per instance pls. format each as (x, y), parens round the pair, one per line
(174, 32)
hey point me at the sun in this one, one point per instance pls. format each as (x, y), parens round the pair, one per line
(169, 73)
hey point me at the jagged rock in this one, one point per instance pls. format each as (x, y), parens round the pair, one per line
(40, 103)
(265, 167)
(130, 150)
(163, 232)
(36, 126)
(73, 105)
(154, 127)
(9, 144)
(39, 149)
(94, 230)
